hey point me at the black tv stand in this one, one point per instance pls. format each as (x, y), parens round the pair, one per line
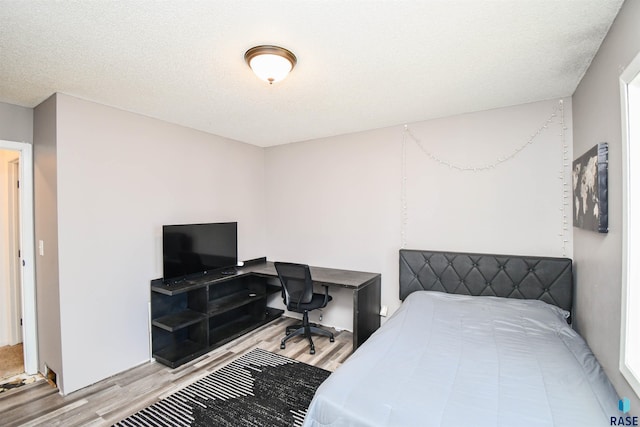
(194, 316)
(190, 319)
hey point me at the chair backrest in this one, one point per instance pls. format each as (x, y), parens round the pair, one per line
(297, 284)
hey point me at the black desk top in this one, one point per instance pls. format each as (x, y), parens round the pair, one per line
(324, 276)
(320, 275)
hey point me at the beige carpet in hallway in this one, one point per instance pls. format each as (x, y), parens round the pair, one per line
(11, 361)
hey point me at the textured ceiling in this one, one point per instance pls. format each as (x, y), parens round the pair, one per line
(361, 64)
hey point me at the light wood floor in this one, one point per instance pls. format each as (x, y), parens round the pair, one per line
(115, 398)
(11, 361)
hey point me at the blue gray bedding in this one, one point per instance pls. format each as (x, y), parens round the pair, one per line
(459, 360)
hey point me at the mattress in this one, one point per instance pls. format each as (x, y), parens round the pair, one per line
(457, 360)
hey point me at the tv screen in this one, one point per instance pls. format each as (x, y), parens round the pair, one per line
(191, 249)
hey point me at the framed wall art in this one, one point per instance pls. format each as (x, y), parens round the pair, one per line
(590, 204)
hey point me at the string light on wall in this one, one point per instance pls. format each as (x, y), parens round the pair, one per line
(403, 191)
(564, 232)
(486, 166)
(558, 110)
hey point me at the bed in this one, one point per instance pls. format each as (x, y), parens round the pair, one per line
(479, 340)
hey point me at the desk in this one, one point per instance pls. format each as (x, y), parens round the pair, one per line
(365, 288)
(197, 315)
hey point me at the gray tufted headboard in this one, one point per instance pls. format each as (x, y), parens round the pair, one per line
(510, 276)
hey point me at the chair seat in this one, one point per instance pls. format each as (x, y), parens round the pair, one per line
(317, 301)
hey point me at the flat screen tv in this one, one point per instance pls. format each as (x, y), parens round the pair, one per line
(189, 250)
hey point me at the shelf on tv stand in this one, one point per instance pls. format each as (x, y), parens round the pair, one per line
(240, 326)
(195, 316)
(177, 354)
(229, 302)
(173, 322)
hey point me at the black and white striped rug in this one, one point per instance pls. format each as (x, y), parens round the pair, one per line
(258, 389)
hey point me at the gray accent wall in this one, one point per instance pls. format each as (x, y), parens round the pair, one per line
(16, 123)
(598, 257)
(106, 182)
(45, 182)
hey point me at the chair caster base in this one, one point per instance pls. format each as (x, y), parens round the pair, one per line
(331, 339)
(312, 351)
(282, 346)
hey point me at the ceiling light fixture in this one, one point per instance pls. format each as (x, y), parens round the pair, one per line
(270, 63)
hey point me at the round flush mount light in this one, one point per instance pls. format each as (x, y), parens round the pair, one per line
(270, 63)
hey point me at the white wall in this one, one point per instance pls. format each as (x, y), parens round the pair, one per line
(121, 176)
(336, 202)
(45, 207)
(598, 257)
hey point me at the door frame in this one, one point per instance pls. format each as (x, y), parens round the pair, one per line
(15, 256)
(27, 245)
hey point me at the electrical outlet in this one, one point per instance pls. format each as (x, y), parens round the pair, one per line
(383, 311)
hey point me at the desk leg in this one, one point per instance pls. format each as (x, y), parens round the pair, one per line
(366, 311)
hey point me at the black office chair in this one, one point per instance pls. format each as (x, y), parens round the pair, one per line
(298, 296)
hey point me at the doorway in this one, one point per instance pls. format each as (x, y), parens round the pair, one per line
(11, 348)
(18, 323)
